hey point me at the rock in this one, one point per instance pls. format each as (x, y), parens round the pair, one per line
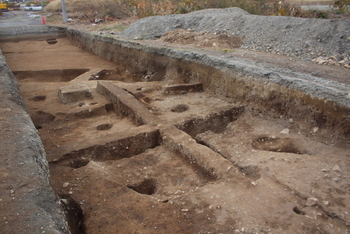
(74, 93)
(65, 201)
(332, 60)
(322, 61)
(97, 21)
(336, 168)
(311, 201)
(285, 131)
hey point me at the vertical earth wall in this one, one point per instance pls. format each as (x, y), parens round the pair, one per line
(28, 203)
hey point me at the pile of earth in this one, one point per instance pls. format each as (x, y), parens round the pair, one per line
(202, 39)
(299, 37)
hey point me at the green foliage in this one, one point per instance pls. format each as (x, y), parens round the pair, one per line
(116, 27)
(114, 11)
(11, 4)
(226, 50)
(314, 14)
(118, 9)
(321, 14)
(341, 6)
(37, 3)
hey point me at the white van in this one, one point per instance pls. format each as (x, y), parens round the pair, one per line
(33, 8)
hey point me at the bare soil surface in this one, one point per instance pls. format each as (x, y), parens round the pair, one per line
(228, 46)
(217, 46)
(17, 18)
(114, 175)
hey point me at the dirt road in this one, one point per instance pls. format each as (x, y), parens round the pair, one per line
(18, 18)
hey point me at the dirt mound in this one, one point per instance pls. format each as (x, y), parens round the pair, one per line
(202, 39)
(300, 37)
(55, 6)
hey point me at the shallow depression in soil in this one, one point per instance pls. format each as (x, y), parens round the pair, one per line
(197, 163)
(57, 75)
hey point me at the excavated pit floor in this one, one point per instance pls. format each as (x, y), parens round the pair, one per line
(157, 157)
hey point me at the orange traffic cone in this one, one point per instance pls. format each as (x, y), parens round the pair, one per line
(43, 21)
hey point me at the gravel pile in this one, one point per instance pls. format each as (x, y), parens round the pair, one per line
(300, 37)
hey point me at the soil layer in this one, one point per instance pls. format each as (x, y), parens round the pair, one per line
(147, 153)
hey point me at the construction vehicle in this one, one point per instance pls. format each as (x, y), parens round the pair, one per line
(3, 6)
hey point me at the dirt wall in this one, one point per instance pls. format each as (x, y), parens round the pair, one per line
(317, 102)
(28, 204)
(30, 32)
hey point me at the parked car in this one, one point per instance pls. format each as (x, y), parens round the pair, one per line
(37, 8)
(33, 8)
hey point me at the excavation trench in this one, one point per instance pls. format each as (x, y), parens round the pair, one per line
(146, 139)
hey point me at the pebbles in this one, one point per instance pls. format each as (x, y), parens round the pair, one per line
(337, 169)
(333, 60)
(295, 37)
(311, 201)
(285, 131)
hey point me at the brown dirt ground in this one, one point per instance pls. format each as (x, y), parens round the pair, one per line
(223, 46)
(229, 46)
(285, 181)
